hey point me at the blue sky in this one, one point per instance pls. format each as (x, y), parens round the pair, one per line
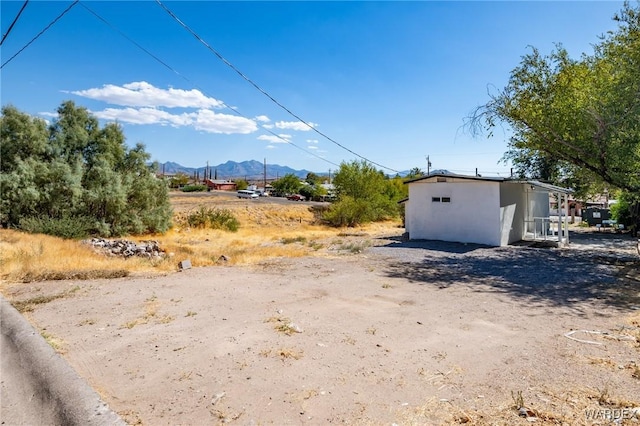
(390, 81)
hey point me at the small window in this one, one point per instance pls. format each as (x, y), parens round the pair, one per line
(446, 199)
(435, 199)
(441, 179)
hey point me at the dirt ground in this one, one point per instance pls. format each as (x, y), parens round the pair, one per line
(401, 333)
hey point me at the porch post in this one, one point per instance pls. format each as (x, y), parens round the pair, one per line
(559, 195)
(566, 220)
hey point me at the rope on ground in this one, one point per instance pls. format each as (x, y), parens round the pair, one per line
(605, 334)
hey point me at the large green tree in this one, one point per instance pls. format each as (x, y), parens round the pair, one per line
(575, 121)
(364, 194)
(288, 184)
(76, 170)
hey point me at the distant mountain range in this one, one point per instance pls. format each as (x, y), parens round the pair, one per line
(250, 170)
(232, 170)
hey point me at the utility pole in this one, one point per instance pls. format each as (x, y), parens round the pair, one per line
(329, 176)
(265, 175)
(428, 166)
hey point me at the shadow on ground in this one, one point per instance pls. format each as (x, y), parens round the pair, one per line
(595, 270)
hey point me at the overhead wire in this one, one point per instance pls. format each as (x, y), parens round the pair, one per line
(14, 22)
(40, 33)
(169, 67)
(261, 90)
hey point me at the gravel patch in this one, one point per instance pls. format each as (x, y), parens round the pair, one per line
(588, 271)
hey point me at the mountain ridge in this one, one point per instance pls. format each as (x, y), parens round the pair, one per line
(249, 169)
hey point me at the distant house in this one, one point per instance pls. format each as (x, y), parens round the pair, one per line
(486, 210)
(221, 184)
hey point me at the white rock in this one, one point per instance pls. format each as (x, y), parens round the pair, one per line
(217, 398)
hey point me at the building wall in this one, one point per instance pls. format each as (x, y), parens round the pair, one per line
(537, 206)
(513, 205)
(472, 215)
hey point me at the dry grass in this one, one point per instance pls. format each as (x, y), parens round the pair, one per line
(283, 353)
(151, 306)
(284, 325)
(56, 343)
(29, 304)
(32, 257)
(552, 407)
(266, 231)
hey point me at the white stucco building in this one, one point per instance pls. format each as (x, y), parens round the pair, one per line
(486, 210)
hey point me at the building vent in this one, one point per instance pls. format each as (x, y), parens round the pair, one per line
(441, 179)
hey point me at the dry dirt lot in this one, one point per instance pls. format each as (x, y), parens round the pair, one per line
(404, 333)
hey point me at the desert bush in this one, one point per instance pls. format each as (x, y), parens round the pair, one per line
(349, 211)
(290, 240)
(208, 217)
(64, 227)
(75, 169)
(241, 184)
(194, 188)
(364, 195)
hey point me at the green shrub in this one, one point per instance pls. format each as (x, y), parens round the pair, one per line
(289, 240)
(364, 195)
(208, 217)
(66, 227)
(348, 211)
(194, 188)
(241, 184)
(73, 177)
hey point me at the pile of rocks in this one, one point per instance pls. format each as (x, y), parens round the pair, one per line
(126, 248)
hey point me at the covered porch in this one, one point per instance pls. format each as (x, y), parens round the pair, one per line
(539, 224)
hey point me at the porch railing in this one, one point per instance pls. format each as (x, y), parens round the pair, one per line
(542, 228)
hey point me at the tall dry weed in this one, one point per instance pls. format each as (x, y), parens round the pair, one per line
(266, 231)
(36, 257)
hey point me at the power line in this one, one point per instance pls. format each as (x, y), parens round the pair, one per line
(14, 22)
(264, 92)
(41, 32)
(169, 67)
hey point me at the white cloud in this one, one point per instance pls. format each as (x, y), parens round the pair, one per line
(268, 126)
(204, 119)
(295, 125)
(143, 94)
(212, 122)
(143, 116)
(314, 141)
(275, 139)
(270, 147)
(262, 118)
(312, 147)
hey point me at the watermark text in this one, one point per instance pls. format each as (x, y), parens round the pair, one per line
(612, 414)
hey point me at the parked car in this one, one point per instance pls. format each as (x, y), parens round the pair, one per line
(295, 197)
(244, 193)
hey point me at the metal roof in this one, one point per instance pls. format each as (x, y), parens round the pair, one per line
(535, 183)
(542, 185)
(453, 175)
